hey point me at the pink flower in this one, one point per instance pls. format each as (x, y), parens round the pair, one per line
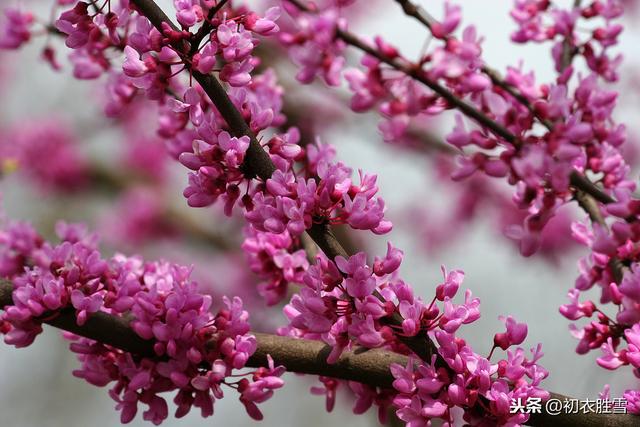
(15, 28)
(610, 359)
(237, 74)
(188, 12)
(265, 26)
(314, 47)
(632, 336)
(390, 263)
(452, 17)
(359, 282)
(329, 386)
(77, 25)
(235, 42)
(133, 66)
(456, 315)
(85, 304)
(452, 282)
(632, 398)
(515, 334)
(576, 310)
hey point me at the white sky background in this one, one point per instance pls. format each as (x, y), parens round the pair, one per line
(36, 386)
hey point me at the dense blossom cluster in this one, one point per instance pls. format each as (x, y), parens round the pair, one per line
(328, 196)
(194, 351)
(579, 135)
(274, 259)
(62, 168)
(16, 28)
(536, 136)
(343, 302)
(430, 391)
(540, 21)
(313, 45)
(348, 302)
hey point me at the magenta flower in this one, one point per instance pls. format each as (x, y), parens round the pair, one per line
(610, 358)
(188, 12)
(15, 28)
(452, 17)
(235, 42)
(133, 66)
(266, 25)
(452, 282)
(515, 334)
(77, 25)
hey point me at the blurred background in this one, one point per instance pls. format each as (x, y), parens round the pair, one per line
(139, 209)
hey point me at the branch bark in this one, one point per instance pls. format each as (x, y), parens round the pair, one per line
(257, 161)
(367, 366)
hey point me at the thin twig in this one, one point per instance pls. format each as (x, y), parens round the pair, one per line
(420, 14)
(206, 27)
(481, 118)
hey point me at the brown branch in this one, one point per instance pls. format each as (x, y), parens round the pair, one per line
(417, 12)
(416, 73)
(367, 366)
(257, 162)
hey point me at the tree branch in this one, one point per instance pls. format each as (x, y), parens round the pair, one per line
(257, 162)
(467, 109)
(420, 14)
(367, 366)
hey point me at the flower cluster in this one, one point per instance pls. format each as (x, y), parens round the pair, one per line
(46, 151)
(538, 137)
(311, 39)
(274, 259)
(348, 303)
(540, 21)
(459, 377)
(91, 35)
(294, 204)
(15, 28)
(617, 336)
(470, 381)
(194, 352)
